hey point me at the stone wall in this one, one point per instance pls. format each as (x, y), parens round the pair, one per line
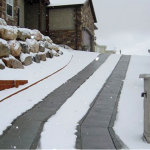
(87, 17)
(10, 20)
(88, 22)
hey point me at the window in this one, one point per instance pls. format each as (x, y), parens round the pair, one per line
(10, 4)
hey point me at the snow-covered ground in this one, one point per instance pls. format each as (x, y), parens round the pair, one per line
(129, 124)
(61, 128)
(25, 100)
(34, 72)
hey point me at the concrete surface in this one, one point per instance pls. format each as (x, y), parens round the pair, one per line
(95, 130)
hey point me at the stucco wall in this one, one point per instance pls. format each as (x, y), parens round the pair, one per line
(31, 16)
(61, 19)
(71, 36)
(21, 6)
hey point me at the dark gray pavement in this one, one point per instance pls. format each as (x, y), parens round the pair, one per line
(25, 130)
(95, 129)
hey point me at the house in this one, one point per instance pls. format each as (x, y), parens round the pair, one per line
(68, 22)
(100, 48)
(71, 22)
(104, 49)
(25, 13)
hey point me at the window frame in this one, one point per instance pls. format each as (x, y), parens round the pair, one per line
(12, 5)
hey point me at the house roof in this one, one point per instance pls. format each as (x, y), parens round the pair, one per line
(47, 2)
(57, 3)
(66, 2)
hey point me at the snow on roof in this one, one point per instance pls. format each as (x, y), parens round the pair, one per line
(65, 2)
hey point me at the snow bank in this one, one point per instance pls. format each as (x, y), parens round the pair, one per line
(129, 124)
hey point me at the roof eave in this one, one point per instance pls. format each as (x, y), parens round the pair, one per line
(73, 5)
(93, 11)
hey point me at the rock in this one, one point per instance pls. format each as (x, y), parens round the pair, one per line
(2, 65)
(9, 33)
(4, 48)
(60, 52)
(24, 47)
(12, 62)
(41, 46)
(1, 31)
(15, 48)
(42, 56)
(51, 54)
(23, 34)
(33, 45)
(48, 45)
(36, 35)
(55, 47)
(3, 22)
(47, 55)
(36, 58)
(26, 59)
(48, 39)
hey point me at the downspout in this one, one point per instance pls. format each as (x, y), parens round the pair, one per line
(76, 29)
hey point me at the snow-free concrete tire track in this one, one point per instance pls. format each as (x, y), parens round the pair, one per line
(95, 130)
(25, 130)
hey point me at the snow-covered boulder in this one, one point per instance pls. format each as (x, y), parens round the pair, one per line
(24, 47)
(23, 34)
(41, 46)
(55, 53)
(48, 45)
(55, 47)
(15, 48)
(51, 54)
(42, 56)
(12, 62)
(33, 45)
(3, 22)
(36, 58)
(9, 33)
(4, 48)
(60, 52)
(36, 34)
(48, 39)
(1, 31)
(2, 65)
(47, 55)
(26, 59)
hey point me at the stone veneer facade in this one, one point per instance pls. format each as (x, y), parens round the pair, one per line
(10, 20)
(83, 20)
